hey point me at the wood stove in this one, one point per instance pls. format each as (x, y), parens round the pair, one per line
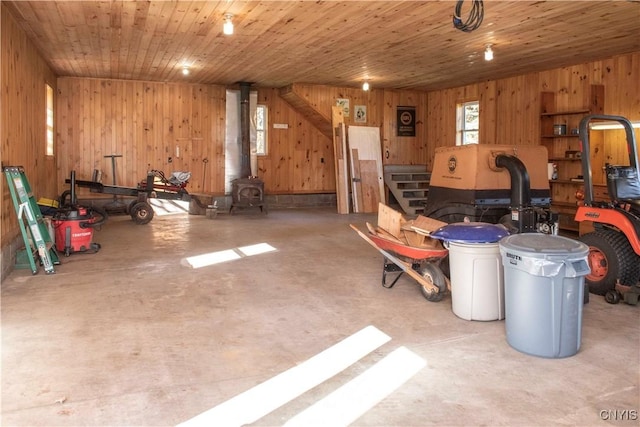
(248, 190)
(246, 193)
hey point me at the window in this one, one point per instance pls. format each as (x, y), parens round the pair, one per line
(468, 118)
(49, 115)
(261, 130)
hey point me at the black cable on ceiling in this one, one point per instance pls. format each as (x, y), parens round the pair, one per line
(475, 16)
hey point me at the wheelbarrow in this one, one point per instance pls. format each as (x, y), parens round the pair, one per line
(421, 263)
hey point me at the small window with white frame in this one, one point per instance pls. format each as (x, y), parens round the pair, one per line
(261, 129)
(468, 123)
(49, 136)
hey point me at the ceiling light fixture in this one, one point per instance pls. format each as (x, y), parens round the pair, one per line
(227, 27)
(488, 53)
(185, 70)
(365, 86)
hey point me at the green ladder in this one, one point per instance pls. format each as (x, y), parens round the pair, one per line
(27, 209)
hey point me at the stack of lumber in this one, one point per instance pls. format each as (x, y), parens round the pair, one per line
(393, 226)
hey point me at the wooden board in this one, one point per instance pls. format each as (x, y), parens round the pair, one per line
(356, 182)
(414, 239)
(370, 189)
(384, 234)
(390, 220)
(425, 225)
(340, 157)
(366, 140)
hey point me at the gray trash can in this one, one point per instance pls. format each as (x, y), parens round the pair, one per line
(544, 293)
(477, 290)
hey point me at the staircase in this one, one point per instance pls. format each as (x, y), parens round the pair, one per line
(409, 185)
(294, 94)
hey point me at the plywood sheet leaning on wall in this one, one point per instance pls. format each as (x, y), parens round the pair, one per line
(340, 156)
(366, 168)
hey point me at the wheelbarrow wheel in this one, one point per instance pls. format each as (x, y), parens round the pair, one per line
(434, 275)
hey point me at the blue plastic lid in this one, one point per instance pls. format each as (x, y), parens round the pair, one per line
(470, 232)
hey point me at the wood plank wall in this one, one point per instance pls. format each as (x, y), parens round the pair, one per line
(23, 119)
(162, 126)
(145, 121)
(381, 111)
(299, 158)
(510, 108)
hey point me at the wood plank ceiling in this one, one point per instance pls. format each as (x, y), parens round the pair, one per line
(392, 44)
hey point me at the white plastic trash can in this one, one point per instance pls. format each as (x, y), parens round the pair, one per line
(477, 286)
(476, 273)
(544, 293)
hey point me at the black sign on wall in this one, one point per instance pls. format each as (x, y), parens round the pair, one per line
(406, 121)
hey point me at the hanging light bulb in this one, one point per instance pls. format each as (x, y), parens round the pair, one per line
(488, 53)
(365, 86)
(185, 70)
(227, 27)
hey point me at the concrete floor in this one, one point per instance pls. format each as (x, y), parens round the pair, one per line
(134, 336)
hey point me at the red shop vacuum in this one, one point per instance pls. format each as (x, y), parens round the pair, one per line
(74, 225)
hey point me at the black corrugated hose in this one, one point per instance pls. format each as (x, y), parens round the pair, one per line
(475, 16)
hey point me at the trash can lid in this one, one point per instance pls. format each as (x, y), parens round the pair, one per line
(470, 232)
(537, 245)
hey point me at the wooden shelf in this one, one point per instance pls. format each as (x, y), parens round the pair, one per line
(565, 181)
(566, 113)
(560, 136)
(558, 145)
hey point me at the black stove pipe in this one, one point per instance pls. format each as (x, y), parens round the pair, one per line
(245, 130)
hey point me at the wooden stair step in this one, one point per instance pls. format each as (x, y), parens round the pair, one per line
(410, 177)
(412, 185)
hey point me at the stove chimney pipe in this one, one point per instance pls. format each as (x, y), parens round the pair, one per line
(245, 130)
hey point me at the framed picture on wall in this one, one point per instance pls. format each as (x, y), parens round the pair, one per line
(406, 121)
(360, 114)
(344, 103)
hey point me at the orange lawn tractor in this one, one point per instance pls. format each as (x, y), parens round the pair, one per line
(614, 245)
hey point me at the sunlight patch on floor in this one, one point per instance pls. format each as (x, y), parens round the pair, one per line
(168, 207)
(211, 258)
